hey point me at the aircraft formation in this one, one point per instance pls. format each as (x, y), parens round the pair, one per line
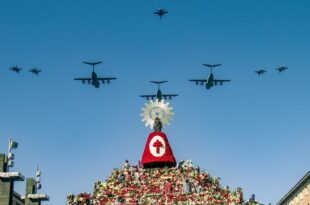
(17, 70)
(209, 81)
(280, 69)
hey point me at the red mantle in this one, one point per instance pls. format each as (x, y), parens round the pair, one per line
(157, 151)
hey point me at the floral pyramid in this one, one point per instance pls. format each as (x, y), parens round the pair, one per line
(184, 184)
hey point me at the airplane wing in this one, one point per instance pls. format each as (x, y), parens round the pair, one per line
(104, 80)
(220, 81)
(35, 70)
(148, 97)
(260, 71)
(88, 80)
(16, 69)
(199, 81)
(169, 96)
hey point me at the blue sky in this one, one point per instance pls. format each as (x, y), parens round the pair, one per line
(252, 132)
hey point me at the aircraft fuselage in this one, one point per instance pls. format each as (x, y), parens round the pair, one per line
(95, 82)
(209, 83)
(159, 95)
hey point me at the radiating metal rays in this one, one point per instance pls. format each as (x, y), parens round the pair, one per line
(155, 109)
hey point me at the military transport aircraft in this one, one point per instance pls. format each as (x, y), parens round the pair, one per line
(35, 71)
(210, 81)
(15, 69)
(281, 68)
(94, 79)
(159, 95)
(160, 12)
(260, 71)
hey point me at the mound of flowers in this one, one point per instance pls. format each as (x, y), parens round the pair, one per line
(185, 184)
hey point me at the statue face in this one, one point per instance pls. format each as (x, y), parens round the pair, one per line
(157, 124)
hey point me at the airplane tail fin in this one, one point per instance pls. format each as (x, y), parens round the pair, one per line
(212, 65)
(92, 63)
(159, 82)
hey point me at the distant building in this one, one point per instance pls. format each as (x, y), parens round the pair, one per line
(17, 199)
(7, 194)
(299, 194)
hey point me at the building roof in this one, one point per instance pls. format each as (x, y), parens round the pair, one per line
(17, 198)
(295, 188)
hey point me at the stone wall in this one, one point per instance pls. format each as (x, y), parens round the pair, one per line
(299, 194)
